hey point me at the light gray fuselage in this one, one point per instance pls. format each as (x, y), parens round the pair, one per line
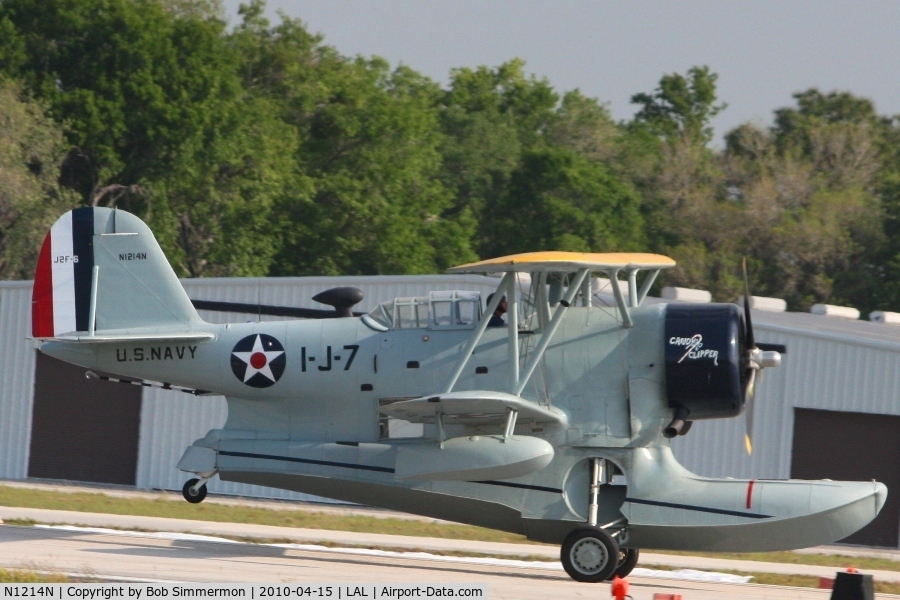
(317, 430)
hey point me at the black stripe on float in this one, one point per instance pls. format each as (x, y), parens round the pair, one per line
(706, 509)
(83, 248)
(307, 461)
(522, 486)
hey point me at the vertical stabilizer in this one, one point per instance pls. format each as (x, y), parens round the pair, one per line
(114, 253)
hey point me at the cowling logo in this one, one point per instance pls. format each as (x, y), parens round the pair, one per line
(694, 348)
(258, 360)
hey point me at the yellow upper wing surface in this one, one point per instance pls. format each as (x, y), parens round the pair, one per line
(556, 261)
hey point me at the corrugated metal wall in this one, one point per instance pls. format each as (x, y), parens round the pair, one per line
(16, 378)
(170, 421)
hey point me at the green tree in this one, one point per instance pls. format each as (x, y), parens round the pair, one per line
(585, 126)
(158, 122)
(367, 151)
(807, 200)
(681, 106)
(31, 149)
(560, 200)
(489, 117)
(679, 177)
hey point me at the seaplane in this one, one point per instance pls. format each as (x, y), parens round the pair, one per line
(553, 421)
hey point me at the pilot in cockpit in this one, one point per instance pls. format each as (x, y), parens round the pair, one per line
(497, 317)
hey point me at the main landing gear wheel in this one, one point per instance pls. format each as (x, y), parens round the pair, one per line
(194, 497)
(628, 559)
(589, 555)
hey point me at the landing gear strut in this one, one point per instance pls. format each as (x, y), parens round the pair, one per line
(628, 559)
(194, 490)
(590, 555)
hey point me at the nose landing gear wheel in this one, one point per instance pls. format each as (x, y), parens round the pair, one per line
(194, 497)
(589, 555)
(628, 559)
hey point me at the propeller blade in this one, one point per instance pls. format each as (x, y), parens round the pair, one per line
(748, 412)
(751, 383)
(751, 343)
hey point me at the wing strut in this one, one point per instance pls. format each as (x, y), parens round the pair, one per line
(511, 416)
(645, 287)
(507, 288)
(92, 318)
(547, 334)
(512, 316)
(506, 282)
(620, 300)
(632, 287)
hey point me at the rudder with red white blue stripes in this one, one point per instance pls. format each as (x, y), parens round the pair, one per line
(136, 286)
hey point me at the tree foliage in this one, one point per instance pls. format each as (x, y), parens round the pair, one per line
(682, 106)
(31, 148)
(261, 150)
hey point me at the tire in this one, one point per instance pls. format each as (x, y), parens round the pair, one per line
(193, 497)
(628, 559)
(589, 555)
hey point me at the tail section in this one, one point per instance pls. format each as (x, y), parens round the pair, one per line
(102, 269)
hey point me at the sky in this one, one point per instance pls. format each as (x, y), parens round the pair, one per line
(763, 51)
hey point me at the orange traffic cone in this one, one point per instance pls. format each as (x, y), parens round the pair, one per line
(619, 588)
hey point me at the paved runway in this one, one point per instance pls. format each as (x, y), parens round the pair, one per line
(402, 542)
(203, 561)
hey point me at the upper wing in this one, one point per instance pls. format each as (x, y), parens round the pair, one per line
(567, 262)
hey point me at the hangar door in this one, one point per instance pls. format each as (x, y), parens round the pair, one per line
(852, 447)
(83, 429)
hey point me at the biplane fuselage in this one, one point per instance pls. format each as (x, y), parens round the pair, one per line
(512, 421)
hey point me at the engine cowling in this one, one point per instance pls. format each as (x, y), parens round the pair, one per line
(705, 374)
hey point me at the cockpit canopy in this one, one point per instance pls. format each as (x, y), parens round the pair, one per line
(439, 310)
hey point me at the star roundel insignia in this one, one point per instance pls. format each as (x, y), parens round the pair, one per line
(258, 360)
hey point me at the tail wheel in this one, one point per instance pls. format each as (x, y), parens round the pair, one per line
(589, 555)
(192, 496)
(628, 559)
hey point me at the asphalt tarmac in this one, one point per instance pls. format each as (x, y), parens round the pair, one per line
(408, 543)
(130, 558)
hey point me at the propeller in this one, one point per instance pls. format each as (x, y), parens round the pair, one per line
(758, 357)
(750, 389)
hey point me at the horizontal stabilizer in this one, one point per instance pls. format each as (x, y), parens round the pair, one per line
(471, 406)
(105, 338)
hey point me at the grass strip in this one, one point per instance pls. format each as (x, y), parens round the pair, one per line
(309, 519)
(25, 576)
(881, 587)
(801, 581)
(838, 561)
